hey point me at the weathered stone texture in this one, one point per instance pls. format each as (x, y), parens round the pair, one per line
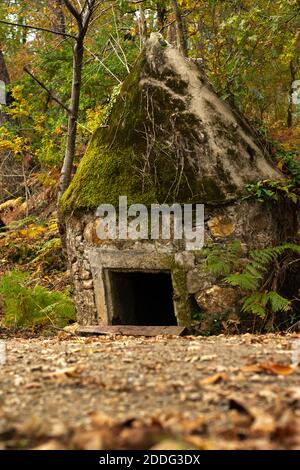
(170, 138)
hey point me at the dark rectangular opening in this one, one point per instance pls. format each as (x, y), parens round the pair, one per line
(142, 298)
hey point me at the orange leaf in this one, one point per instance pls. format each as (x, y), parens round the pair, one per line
(278, 369)
(251, 368)
(213, 379)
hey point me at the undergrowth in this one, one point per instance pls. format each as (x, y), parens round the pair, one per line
(257, 278)
(27, 305)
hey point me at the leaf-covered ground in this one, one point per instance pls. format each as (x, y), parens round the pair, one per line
(68, 392)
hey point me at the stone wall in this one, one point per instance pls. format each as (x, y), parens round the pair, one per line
(254, 224)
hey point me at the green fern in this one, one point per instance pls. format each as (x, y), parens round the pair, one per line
(278, 303)
(221, 261)
(26, 305)
(257, 303)
(251, 277)
(254, 271)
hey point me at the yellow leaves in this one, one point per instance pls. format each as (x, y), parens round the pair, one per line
(289, 50)
(186, 3)
(47, 181)
(95, 117)
(20, 107)
(33, 231)
(58, 130)
(9, 142)
(53, 227)
(39, 123)
(10, 204)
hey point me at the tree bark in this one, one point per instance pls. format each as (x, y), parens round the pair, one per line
(181, 29)
(4, 75)
(66, 171)
(83, 21)
(10, 170)
(143, 24)
(293, 70)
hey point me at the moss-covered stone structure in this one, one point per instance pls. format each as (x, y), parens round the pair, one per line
(169, 138)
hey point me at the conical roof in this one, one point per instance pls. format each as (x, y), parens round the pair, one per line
(169, 138)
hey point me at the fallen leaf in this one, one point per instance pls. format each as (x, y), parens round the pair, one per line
(277, 369)
(251, 368)
(68, 372)
(216, 378)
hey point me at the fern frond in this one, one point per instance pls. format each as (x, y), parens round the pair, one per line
(217, 266)
(255, 304)
(243, 280)
(278, 303)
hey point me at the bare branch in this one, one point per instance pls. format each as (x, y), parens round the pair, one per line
(74, 12)
(38, 28)
(88, 12)
(50, 93)
(83, 8)
(102, 13)
(103, 64)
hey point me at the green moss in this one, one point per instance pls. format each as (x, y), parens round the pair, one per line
(102, 176)
(180, 293)
(136, 157)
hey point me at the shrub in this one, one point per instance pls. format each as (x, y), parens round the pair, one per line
(260, 299)
(28, 305)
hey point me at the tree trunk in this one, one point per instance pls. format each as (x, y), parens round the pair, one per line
(83, 19)
(4, 75)
(11, 178)
(143, 24)
(66, 171)
(293, 70)
(181, 29)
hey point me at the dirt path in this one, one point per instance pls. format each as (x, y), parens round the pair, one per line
(124, 392)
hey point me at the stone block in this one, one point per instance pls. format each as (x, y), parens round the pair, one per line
(217, 299)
